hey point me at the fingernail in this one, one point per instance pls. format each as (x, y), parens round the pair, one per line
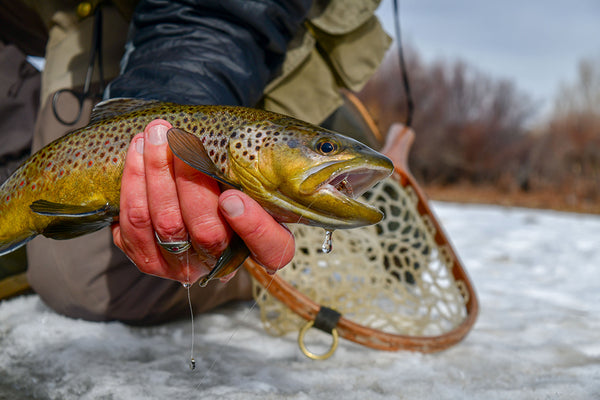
(233, 206)
(139, 145)
(157, 134)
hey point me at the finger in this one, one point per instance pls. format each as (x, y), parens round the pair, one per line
(199, 201)
(271, 244)
(163, 201)
(134, 233)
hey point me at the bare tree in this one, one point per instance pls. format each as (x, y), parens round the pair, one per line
(467, 124)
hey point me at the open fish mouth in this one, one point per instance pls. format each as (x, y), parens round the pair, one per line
(351, 183)
(354, 183)
(330, 193)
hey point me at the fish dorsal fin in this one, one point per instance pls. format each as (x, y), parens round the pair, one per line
(189, 149)
(113, 107)
(51, 209)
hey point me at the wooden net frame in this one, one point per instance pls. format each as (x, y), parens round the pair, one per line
(398, 285)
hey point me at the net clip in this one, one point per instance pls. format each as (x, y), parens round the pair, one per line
(326, 321)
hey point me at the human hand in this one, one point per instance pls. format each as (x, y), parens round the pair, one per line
(163, 196)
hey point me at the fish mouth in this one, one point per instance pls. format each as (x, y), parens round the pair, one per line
(333, 193)
(355, 182)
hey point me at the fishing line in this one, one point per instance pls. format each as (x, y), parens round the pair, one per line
(188, 285)
(410, 106)
(246, 314)
(192, 359)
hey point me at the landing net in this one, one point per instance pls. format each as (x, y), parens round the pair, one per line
(398, 277)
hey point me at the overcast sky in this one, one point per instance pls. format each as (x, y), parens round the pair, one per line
(537, 43)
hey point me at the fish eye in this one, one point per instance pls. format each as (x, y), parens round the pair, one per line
(327, 147)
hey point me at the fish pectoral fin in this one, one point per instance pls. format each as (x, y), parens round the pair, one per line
(232, 258)
(189, 149)
(69, 228)
(51, 209)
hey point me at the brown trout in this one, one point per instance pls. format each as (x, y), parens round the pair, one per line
(298, 172)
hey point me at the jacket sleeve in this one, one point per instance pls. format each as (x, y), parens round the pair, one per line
(206, 52)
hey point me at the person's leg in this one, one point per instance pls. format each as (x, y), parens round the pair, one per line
(19, 89)
(90, 278)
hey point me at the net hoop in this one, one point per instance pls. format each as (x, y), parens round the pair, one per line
(397, 142)
(306, 308)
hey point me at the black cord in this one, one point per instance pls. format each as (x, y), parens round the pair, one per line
(410, 106)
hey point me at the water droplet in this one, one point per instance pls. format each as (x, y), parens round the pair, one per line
(186, 285)
(192, 364)
(327, 243)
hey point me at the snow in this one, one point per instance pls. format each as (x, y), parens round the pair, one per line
(537, 336)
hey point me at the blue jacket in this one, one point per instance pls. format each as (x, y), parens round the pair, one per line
(206, 52)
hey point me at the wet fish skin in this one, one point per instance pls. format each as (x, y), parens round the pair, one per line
(71, 187)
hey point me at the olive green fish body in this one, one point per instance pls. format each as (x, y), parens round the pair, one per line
(298, 172)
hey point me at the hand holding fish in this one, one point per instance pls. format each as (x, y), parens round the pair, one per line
(163, 196)
(288, 170)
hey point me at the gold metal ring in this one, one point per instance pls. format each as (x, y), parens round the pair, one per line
(309, 353)
(84, 9)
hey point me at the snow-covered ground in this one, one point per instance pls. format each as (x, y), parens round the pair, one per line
(537, 275)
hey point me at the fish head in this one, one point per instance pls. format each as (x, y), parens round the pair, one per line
(307, 174)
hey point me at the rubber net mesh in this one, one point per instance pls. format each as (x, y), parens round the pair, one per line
(391, 277)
